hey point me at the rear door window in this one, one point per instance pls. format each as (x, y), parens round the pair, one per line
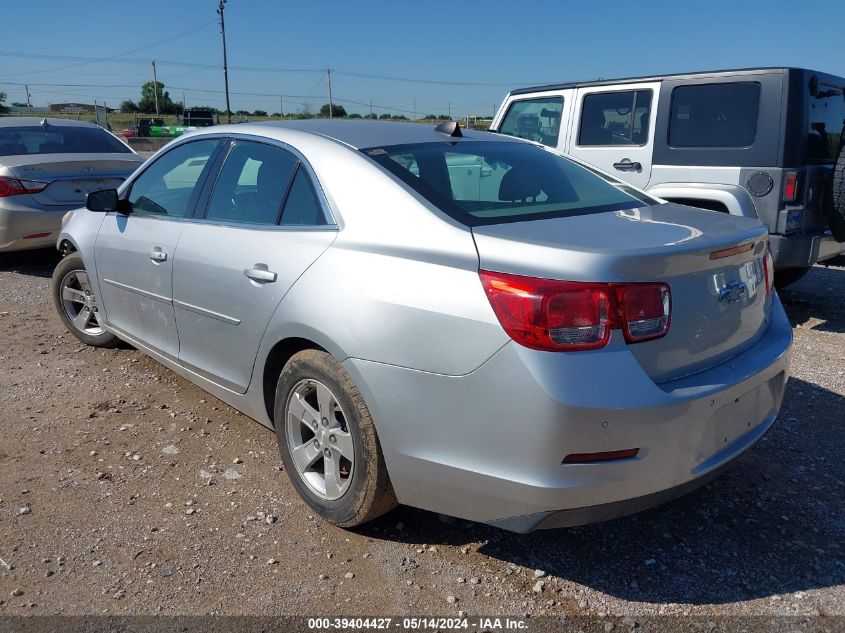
(615, 118)
(534, 119)
(714, 115)
(252, 184)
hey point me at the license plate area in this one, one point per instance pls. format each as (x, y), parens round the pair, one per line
(736, 418)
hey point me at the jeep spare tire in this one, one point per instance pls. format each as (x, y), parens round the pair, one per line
(835, 201)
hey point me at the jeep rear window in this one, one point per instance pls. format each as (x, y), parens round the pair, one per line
(58, 139)
(826, 116)
(714, 115)
(490, 182)
(534, 119)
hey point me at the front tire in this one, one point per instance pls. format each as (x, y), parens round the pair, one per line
(76, 304)
(328, 441)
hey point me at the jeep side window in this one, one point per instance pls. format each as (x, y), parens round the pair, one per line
(714, 115)
(534, 119)
(615, 118)
(826, 110)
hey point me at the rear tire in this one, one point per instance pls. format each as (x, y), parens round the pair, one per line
(76, 303)
(328, 441)
(835, 202)
(789, 276)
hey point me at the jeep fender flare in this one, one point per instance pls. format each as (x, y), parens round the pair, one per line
(733, 197)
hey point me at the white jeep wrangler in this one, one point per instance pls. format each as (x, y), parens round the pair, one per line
(764, 143)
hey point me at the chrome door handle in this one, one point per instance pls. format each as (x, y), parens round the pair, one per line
(261, 274)
(157, 255)
(626, 164)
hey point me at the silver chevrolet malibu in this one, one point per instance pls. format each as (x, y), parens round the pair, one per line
(458, 321)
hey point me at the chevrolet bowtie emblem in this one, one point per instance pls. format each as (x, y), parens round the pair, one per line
(732, 292)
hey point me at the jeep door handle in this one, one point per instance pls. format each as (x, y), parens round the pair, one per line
(261, 275)
(626, 164)
(157, 255)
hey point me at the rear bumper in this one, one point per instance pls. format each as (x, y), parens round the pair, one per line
(802, 251)
(488, 446)
(17, 222)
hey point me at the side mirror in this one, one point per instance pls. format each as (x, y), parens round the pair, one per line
(105, 201)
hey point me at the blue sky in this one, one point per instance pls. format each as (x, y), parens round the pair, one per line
(434, 54)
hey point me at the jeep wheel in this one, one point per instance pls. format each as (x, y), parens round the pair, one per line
(835, 201)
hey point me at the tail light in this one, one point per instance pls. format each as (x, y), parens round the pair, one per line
(644, 310)
(769, 269)
(14, 187)
(790, 186)
(550, 315)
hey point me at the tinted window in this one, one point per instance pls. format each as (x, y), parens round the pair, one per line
(58, 139)
(301, 206)
(826, 116)
(615, 118)
(492, 182)
(165, 187)
(252, 184)
(534, 119)
(714, 115)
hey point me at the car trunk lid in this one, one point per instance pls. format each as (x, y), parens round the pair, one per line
(71, 176)
(712, 262)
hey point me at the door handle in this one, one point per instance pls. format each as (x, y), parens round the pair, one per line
(260, 274)
(626, 164)
(157, 255)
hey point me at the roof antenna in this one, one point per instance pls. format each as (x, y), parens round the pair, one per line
(44, 122)
(449, 127)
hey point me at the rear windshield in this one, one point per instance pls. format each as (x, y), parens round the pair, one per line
(826, 117)
(491, 182)
(55, 139)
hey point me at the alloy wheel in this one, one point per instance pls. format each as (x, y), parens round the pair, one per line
(79, 303)
(319, 440)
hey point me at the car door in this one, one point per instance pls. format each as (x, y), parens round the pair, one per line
(265, 222)
(613, 128)
(134, 251)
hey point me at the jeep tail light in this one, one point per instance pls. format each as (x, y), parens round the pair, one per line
(14, 187)
(790, 187)
(551, 315)
(644, 310)
(769, 269)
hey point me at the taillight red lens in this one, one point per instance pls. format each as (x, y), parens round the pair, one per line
(790, 187)
(769, 269)
(551, 315)
(546, 314)
(644, 310)
(15, 187)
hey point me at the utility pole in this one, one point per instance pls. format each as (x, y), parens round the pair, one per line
(155, 86)
(331, 106)
(28, 97)
(220, 9)
(415, 110)
(450, 111)
(281, 108)
(371, 108)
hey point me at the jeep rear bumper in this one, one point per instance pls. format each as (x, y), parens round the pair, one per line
(802, 251)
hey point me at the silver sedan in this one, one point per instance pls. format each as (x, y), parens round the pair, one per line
(458, 321)
(46, 168)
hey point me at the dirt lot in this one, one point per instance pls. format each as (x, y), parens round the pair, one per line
(126, 490)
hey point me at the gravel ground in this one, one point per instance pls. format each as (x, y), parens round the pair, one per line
(126, 490)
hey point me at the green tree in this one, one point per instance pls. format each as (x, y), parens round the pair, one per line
(354, 115)
(371, 116)
(384, 117)
(399, 117)
(338, 111)
(128, 106)
(259, 113)
(166, 105)
(3, 107)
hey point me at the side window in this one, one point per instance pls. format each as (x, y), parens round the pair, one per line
(166, 186)
(534, 119)
(252, 184)
(714, 115)
(301, 206)
(615, 118)
(826, 108)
